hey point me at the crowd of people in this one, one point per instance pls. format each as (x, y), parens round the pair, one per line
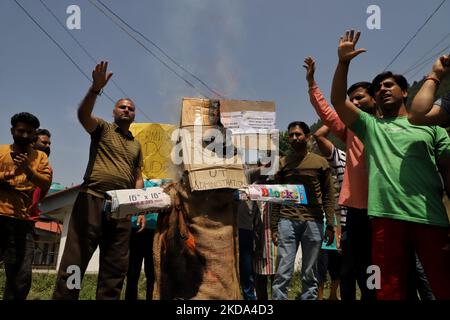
(377, 205)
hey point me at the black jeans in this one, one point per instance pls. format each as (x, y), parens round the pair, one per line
(246, 264)
(418, 281)
(356, 247)
(90, 227)
(17, 249)
(141, 248)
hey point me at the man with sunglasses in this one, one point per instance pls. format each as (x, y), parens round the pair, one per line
(115, 160)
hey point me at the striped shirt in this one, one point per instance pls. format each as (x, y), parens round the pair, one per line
(337, 161)
(264, 261)
(114, 157)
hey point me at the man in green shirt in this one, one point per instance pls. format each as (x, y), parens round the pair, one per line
(405, 190)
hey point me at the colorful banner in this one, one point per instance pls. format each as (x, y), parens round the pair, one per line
(282, 193)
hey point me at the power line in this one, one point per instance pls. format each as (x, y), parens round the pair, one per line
(58, 45)
(419, 61)
(161, 50)
(151, 52)
(432, 57)
(414, 35)
(423, 64)
(88, 54)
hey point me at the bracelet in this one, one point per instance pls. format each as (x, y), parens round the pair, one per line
(436, 80)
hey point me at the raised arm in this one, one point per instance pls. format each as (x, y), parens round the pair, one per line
(328, 202)
(328, 116)
(325, 145)
(346, 110)
(423, 111)
(100, 78)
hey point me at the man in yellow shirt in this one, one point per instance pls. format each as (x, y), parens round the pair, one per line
(22, 170)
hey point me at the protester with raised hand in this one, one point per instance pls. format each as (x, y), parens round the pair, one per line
(424, 109)
(405, 191)
(115, 160)
(356, 245)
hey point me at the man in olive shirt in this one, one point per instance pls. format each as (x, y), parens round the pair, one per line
(302, 223)
(115, 160)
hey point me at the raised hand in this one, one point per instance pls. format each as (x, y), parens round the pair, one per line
(441, 66)
(347, 43)
(100, 76)
(310, 66)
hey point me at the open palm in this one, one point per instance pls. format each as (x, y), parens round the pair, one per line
(100, 76)
(347, 43)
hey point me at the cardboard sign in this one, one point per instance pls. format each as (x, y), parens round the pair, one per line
(199, 112)
(204, 147)
(209, 165)
(155, 140)
(242, 116)
(217, 178)
(252, 123)
(212, 161)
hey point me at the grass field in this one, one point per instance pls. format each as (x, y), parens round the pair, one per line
(43, 284)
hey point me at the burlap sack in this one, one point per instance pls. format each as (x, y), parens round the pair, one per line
(212, 221)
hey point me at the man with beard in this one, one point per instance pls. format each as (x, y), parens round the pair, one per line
(22, 170)
(42, 141)
(405, 190)
(115, 160)
(291, 224)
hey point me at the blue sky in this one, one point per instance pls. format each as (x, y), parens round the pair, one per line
(245, 49)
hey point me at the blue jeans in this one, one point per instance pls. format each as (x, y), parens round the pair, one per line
(290, 234)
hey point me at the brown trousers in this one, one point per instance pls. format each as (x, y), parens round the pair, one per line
(90, 227)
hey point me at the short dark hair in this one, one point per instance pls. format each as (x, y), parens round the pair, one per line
(26, 118)
(43, 132)
(128, 99)
(362, 84)
(398, 78)
(301, 124)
